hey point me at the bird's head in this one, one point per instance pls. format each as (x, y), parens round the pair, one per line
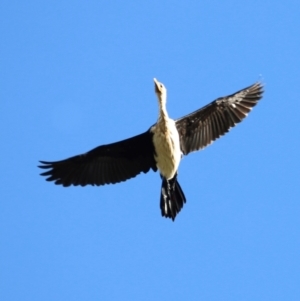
(160, 91)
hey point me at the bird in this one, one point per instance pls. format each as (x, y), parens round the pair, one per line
(160, 148)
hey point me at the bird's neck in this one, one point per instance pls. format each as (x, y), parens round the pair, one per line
(163, 114)
(162, 101)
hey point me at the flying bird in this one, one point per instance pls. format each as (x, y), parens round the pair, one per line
(160, 148)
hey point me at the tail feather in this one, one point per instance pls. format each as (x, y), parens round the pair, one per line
(172, 198)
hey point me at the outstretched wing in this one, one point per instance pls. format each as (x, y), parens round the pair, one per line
(111, 163)
(202, 127)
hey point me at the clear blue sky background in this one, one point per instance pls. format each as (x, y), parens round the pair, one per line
(78, 74)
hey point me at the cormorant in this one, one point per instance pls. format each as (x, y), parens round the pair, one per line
(159, 148)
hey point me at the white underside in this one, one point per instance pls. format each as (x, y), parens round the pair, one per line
(167, 148)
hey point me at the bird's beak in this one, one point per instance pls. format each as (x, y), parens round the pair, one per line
(156, 85)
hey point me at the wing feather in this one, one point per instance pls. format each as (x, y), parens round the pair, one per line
(202, 127)
(106, 164)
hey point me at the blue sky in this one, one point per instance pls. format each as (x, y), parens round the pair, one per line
(75, 75)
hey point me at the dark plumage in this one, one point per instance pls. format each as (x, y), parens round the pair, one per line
(204, 126)
(105, 164)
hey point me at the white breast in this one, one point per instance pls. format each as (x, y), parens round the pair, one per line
(167, 147)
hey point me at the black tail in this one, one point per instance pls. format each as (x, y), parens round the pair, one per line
(172, 198)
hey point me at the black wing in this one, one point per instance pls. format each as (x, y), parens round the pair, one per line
(111, 163)
(202, 127)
